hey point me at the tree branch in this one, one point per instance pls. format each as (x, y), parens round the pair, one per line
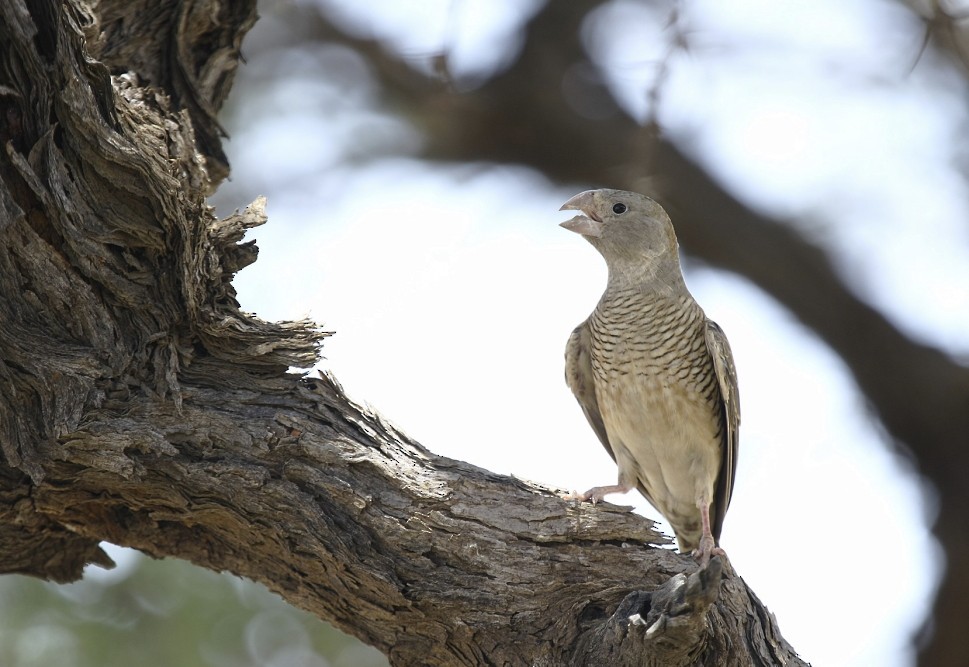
(140, 406)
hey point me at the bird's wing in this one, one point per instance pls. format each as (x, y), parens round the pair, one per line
(578, 375)
(719, 350)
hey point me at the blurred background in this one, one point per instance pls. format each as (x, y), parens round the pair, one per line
(812, 155)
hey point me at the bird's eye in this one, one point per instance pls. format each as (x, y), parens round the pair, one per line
(619, 208)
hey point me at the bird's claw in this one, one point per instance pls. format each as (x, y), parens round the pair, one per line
(582, 497)
(706, 550)
(598, 493)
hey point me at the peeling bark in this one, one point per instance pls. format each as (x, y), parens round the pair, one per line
(140, 406)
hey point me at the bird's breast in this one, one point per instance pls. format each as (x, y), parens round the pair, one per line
(657, 393)
(656, 339)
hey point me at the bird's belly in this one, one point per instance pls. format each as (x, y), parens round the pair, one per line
(666, 439)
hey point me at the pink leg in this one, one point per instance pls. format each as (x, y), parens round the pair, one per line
(597, 493)
(708, 546)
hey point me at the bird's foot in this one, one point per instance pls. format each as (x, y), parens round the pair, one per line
(597, 493)
(707, 549)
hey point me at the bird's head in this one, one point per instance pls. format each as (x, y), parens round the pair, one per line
(630, 230)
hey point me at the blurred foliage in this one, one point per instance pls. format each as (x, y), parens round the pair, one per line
(167, 613)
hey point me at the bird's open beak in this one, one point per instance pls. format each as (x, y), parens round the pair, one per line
(589, 224)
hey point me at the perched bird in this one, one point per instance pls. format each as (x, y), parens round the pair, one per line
(655, 377)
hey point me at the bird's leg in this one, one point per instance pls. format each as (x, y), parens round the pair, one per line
(708, 546)
(598, 493)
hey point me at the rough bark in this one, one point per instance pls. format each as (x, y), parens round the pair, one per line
(140, 406)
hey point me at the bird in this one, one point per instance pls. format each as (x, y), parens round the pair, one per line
(653, 374)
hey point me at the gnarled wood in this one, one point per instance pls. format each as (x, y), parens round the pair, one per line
(139, 405)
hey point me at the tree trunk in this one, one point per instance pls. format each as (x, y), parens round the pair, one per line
(140, 406)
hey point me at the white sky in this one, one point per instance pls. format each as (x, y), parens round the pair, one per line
(452, 289)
